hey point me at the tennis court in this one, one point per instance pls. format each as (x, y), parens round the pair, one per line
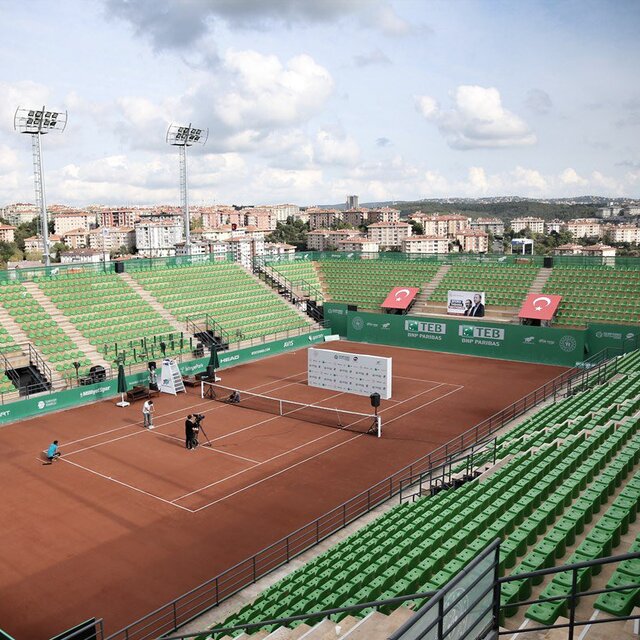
(132, 519)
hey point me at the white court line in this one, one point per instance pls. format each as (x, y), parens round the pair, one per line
(137, 423)
(277, 473)
(124, 484)
(406, 413)
(226, 453)
(291, 450)
(164, 424)
(233, 475)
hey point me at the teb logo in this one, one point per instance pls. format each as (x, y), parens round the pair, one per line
(487, 333)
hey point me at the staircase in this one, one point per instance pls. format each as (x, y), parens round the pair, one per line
(23, 359)
(421, 303)
(65, 324)
(541, 279)
(302, 314)
(148, 297)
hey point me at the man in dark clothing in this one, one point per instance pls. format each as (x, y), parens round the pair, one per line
(190, 433)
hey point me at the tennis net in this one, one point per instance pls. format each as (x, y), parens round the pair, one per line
(326, 416)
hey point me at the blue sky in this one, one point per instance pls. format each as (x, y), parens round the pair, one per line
(307, 102)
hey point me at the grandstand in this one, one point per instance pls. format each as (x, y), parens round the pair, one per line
(564, 488)
(596, 294)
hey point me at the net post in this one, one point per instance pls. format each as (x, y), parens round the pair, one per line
(378, 426)
(202, 389)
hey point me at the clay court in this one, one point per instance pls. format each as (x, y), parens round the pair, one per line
(129, 519)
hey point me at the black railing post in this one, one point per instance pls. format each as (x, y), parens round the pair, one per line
(175, 615)
(572, 612)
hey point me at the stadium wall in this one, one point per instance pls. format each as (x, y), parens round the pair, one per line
(565, 347)
(42, 404)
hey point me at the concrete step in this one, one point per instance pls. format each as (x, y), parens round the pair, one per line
(147, 296)
(302, 314)
(377, 626)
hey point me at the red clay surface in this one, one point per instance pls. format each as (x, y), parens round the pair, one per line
(129, 519)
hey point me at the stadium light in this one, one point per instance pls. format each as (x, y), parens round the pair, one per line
(38, 122)
(183, 137)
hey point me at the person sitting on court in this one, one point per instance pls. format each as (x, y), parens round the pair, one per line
(52, 452)
(234, 398)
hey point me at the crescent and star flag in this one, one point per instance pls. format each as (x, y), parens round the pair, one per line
(539, 306)
(400, 297)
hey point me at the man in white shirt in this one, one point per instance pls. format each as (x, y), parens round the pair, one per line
(147, 414)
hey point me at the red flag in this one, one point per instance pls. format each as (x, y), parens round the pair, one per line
(539, 306)
(400, 297)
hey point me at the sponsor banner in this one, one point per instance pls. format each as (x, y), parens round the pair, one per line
(622, 337)
(465, 303)
(539, 307)
(335, 314)
(400, 297)
(493, 340)
(22, 409)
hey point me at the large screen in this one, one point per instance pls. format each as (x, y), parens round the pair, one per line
(466, 303)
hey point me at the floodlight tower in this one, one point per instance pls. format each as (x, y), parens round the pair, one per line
(183, 137)
(37, 122)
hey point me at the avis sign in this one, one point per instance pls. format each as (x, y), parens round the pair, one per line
(486, 336)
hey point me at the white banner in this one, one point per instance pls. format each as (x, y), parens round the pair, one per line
(466, 303)
(350, 372)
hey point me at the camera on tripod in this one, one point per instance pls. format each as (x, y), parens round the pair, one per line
(198, 418)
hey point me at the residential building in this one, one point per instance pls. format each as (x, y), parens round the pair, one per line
(425, 244)
(535, 225)
(197, 248)
(219, 234)
(282, 211)
(273, 249)
(554, 225)
(112, 238)
(472, 241)
(609, 212)
(359, 244)
(34, 243)
(352, 202)
(81, 255)
(64, 222)
(384, 214)
(261, 218)
(494, 226)
(7, 233)
(354, 217)
(585, 227)
(443, 225)
(327, 240)
(604, 251)
(623, 233)
(245, 249)
(20, 212)
(118, 218)
(389, 235)
(76, 238)
(570, 249)
(323, 218)
(157, 235)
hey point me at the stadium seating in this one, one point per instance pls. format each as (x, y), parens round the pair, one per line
(112, 316)
(9, 348)
(42, 330)
(595, 294)
(236, 300)
(538, 502)
(298, 270)
(503, 284)
(366, 283)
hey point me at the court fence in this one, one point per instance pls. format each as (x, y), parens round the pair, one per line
(214, 591)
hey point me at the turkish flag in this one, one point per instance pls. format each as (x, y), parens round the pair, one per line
(539, 306)
(400, 297)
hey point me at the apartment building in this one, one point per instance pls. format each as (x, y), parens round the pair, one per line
(19, 213)
(65, 222)
(112, 238)
(156, 236)
(554, 225)
(585, 227)
(383, 214)
(425, 244)
(323, 218)
(327, 240)
(472, 241)
(389, 235)
(488, 225)
(7, 233)
(535, 225)
(118, 218)
(623, 233)
(76, 238)
(354, 217)
(358, 244)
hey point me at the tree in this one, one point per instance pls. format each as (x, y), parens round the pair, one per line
(416, 228)
(7, 250)
(293, 231)
(58, 249)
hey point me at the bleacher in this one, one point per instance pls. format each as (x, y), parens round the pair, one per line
(576, 464)
(42, 330)
(595, 294)
(298, 271)
(366, 283)
(504, 284)
(229, 294)
(112, 316)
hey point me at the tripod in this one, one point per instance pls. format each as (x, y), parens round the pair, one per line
(204, 433)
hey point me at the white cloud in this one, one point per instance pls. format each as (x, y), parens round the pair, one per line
(571, 178)
(528, 179)
(21, 94)
(266, 93)
(334, 149)
(477, 120)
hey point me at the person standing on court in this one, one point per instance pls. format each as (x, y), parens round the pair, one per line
(147, 414)
(188, 432)
(52, 452)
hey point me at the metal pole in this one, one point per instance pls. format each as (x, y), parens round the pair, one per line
(40, 195)
(185, 199)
